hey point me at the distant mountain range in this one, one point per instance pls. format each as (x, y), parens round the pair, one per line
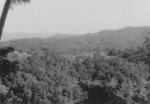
(123, 38)
(20, 35)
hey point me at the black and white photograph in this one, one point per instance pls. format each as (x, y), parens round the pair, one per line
(74, 51)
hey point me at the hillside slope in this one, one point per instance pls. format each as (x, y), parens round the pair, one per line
(128, 37)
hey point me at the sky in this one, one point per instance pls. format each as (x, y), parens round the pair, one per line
(74, 16)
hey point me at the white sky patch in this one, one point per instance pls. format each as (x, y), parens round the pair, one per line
(148, 5)
(106, 22)
(140, 6)
(99, 16)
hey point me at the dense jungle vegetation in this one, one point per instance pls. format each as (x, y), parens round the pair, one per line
(47, 77)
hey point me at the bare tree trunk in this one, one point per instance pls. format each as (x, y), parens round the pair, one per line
(4, 15)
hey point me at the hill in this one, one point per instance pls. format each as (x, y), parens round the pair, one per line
(123, 38)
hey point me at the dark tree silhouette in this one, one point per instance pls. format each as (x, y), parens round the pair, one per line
(6, 7)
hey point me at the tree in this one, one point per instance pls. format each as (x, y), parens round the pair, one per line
(7, 5)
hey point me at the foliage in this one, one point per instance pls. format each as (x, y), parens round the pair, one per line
(48, 77)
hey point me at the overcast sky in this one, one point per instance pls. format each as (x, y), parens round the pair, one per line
(75, 16)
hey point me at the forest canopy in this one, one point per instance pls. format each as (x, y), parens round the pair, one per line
(44, 76)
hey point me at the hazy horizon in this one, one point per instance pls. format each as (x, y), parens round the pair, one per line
(75, 16)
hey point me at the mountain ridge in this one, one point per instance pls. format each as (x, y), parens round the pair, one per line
(123, 38)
